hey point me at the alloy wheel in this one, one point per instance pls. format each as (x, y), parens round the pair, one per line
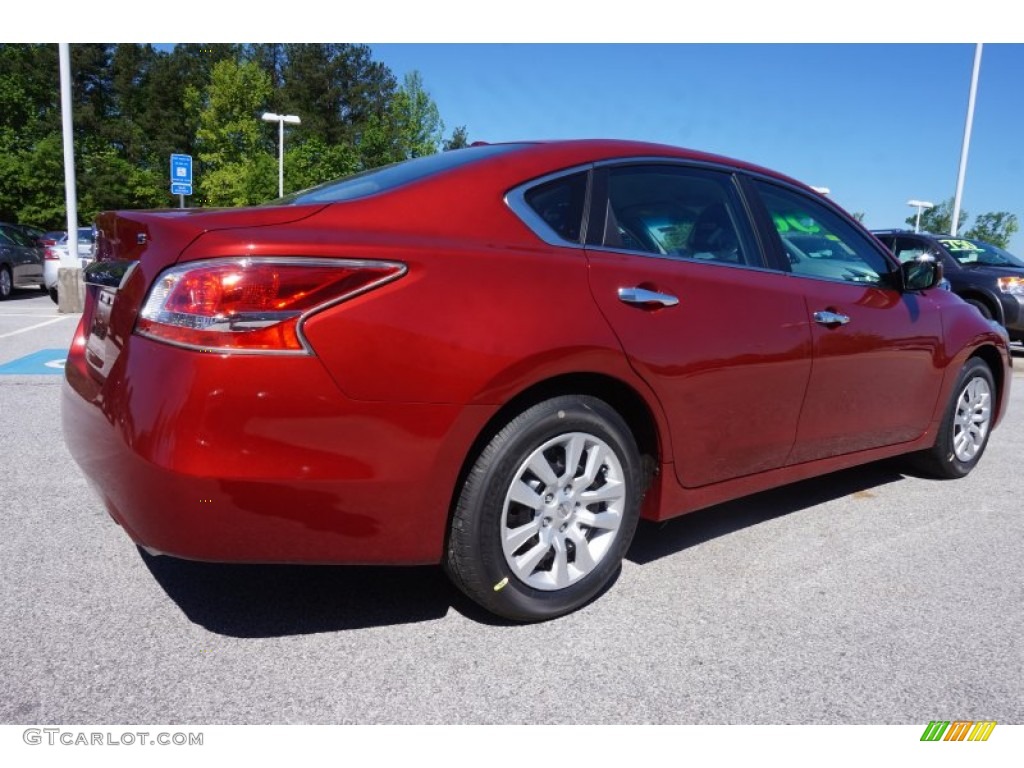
(563, 511)
(972, 419)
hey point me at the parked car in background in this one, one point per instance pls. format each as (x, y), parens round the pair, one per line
(21, 259)
(56, 251)
(984, 275)
(34, 233)
(499, 358)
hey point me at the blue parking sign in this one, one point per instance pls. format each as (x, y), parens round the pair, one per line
(181, 174)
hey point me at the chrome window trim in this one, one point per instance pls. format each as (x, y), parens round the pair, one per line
(681, 260)
(880, 285)
(676, 161)
(515, 199)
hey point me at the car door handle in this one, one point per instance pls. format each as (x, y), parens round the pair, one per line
(645, 298)
(830, 318)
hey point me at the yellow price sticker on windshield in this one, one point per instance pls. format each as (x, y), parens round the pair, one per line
(960, 245)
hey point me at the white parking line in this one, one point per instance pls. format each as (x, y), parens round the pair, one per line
(40, 313)
(33, 327)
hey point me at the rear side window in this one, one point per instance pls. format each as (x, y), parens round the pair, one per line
(682, 213)
(559, 203)
(818, 242)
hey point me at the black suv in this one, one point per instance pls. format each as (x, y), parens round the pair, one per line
(978, 272)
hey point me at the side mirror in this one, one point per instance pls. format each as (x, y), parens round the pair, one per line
(922, 273)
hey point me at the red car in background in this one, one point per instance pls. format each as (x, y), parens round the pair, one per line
(499, 358)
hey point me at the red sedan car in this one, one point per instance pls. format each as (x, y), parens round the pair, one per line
(500, 358)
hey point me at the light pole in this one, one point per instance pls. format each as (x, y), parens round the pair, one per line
(273, 117)
(955, 223)
(70, 197)
(920, 205)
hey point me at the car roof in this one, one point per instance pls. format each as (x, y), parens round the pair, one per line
(931, 235)
(506, 165)
(912, 233)
(579, 151)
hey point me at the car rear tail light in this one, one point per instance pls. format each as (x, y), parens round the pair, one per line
(49, 254)
(252, 304)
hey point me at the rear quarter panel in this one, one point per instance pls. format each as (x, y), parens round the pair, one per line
(484, 310)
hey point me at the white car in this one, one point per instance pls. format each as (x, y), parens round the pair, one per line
(56, 252)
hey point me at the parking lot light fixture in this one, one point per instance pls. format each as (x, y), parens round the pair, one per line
(273, 117)
(921, 205)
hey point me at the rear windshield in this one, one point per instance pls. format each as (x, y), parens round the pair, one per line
(392, 176)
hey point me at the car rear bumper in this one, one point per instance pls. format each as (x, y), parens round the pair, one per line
(235, 458)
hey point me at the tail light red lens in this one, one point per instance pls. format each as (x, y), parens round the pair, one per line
(49, 254)
(252, 305)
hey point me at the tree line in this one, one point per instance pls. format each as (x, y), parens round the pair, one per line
(996, 227)
(135, 105)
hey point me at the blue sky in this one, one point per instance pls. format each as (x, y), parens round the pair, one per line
(869, 102)
(878, 124)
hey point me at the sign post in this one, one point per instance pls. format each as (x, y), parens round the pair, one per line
(181, 177)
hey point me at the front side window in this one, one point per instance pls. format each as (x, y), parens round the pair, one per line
(818, 242)
(677, 212)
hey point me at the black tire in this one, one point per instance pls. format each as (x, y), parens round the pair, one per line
(573, 530)
(966, 426)
(53, 295)
(981, 307)
(6, 283)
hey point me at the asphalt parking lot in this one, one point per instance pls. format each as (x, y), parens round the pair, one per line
(867, 596)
